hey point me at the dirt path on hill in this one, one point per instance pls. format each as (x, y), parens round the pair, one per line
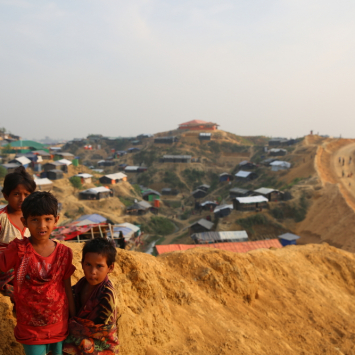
(331, 217)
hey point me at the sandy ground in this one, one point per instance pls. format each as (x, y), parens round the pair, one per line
(331, 217)
(296, 300)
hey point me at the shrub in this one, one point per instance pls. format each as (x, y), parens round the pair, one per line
(173, 180)
(161, 225)
(76, 182)
(3, 172)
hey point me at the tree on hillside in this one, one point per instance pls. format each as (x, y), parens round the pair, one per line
(76, 182)
(3, 172)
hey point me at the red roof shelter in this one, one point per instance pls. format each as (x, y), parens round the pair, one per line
(240, 247)
(198, 125)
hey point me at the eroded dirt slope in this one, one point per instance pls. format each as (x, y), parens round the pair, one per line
(296, 300)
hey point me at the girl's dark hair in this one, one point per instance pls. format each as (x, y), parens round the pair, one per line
(102, 246)
(39, 203)
(19, 176)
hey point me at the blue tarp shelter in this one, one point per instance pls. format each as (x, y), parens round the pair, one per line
(288, 239)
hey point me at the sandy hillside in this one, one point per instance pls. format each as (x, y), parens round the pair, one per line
(296, 300)
(331, 217)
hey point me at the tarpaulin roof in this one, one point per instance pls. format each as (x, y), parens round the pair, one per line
(65, 161)
(84, 175)
(242, 173)
(95, 218)
(252, 199)
(70, 231)
(264, 190)
(222, 207)
(23, 160)
(289, 236)
(281, 163)
(96, 190)
(116, 176)
(242, 247)
(43, 181)
(208, 203)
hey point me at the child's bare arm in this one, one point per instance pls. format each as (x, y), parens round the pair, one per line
(68, 291)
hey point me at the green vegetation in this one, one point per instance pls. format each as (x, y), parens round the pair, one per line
(126, 201)
(227, 147)
(193, 176)
(158, 226)
(296, 211)
(186, 214)
(259, 154)
(148, 157)
(137, 189)
(173, 180)
(294, 182)
(173, 204)
(146, 177)
(3, 172)
(76, 182)
(214, 180)
(249, 222)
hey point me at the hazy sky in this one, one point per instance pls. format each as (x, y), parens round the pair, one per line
(258, 67)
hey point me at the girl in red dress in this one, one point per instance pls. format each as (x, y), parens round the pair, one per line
(42, 288)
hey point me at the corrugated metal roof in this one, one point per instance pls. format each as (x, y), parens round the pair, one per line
(220, 236)
(264, 190)
(131, 168)
(149, 192)
(241, 247)
(289, 236)
(177, 156)
(234, 235)
(204, 223)
(205, 134)
(144, 204)
(252, 199)
(243, 173)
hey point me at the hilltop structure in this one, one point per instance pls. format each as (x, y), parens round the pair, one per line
(198, 125)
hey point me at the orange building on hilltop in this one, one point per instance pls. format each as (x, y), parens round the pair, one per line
(198, 125)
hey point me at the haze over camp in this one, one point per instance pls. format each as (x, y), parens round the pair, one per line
(177, 178)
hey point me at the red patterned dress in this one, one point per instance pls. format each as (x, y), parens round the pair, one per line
(94, 330)
(41, 303)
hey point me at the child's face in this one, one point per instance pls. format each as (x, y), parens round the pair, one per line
(95, 268)
(40, 227)
(16, 197)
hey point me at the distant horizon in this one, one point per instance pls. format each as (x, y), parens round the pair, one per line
(124, 68)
